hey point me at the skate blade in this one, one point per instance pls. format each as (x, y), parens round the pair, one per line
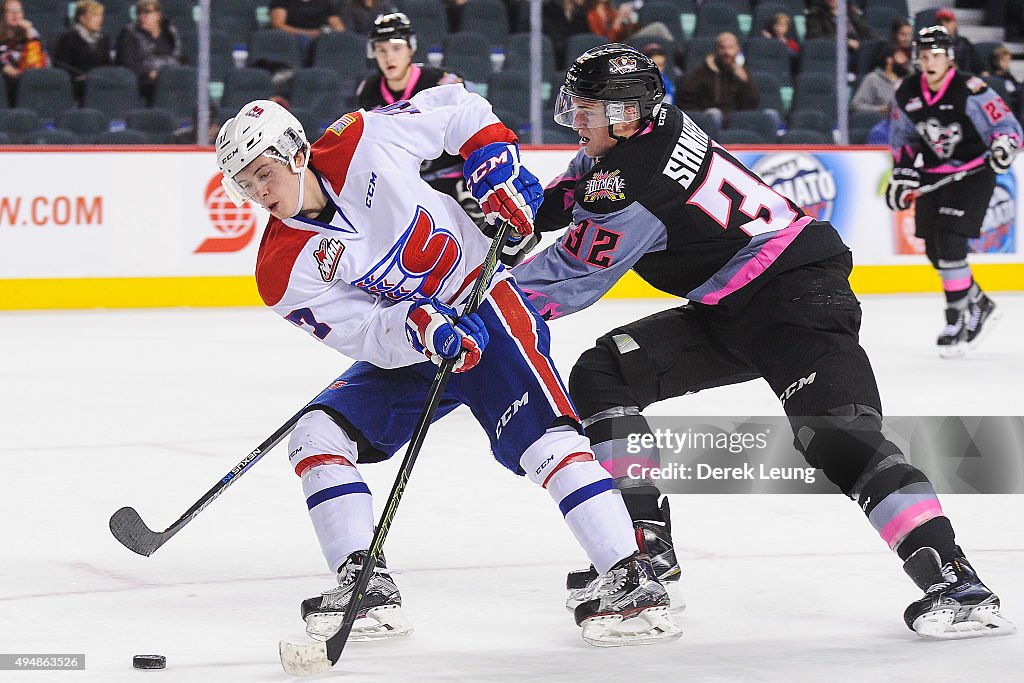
(653, 625)
(380, 623)
(954, 351)
(983, 621)
(986, 329)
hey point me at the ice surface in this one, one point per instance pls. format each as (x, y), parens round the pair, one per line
(149, 408)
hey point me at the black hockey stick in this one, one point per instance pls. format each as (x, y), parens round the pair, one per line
(305, 660)
(951, 178)
(128, 527)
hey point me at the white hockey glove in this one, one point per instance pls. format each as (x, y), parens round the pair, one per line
(505, 189)
(1001, 151)
(436, 331)
(899, 193)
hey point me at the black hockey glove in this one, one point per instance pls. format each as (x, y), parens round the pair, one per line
(516, 248)
(899, 191)
(1001, 152)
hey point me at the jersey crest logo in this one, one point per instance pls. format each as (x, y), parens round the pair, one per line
(914, 103)
(608, 185)
(418, 265)
(975, 84)
(327, 256)
(942, 139)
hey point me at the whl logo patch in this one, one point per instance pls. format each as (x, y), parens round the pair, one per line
(327, 256)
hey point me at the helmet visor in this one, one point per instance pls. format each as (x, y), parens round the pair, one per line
(251, 180)
(577, 112)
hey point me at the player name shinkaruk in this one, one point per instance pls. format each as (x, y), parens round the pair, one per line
(704, 472)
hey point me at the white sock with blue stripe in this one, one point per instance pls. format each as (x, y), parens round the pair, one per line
(561, 461)
(339, 501)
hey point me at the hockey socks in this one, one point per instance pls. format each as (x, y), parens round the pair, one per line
(339, 501)
(561, 462)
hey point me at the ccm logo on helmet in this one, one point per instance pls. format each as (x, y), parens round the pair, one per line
(489, 165)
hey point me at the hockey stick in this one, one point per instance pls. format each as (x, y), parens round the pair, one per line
(128, 527)
(952, 178)
(305, 660)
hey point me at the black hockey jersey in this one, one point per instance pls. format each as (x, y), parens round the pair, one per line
(952, 127)
(677, 208)
(373, 93)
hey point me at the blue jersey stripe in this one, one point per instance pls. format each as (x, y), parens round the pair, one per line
(584, 494)
(335, 491)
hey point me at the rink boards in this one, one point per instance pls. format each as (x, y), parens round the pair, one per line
(143, 227)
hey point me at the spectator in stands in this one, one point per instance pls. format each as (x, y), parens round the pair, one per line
(614, 23)
(20, 46)
(821, 23)
(357, 15)
(999, 65)
(561, 19)
(305, 19)
(879, 87)
(84, 46)
(901, 38)
(964, 54)
(719, 85)
(148, 45)
(779, 27)
(657, 54)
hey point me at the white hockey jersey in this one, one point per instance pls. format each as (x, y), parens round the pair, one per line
(392, 239)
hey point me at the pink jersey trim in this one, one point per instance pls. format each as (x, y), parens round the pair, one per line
(948, 168)
(414, 78)
(930, 98)
(761, 261)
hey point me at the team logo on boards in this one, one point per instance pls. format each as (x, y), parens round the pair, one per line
(802, 179)
(608, 185)
(233, 226)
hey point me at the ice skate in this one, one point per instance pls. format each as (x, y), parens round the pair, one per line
(629, 606)
(956, 604)
(982, 315)
(380, 614)
(952, 340)
(654, 538)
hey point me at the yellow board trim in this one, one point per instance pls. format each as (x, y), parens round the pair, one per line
(159, 292)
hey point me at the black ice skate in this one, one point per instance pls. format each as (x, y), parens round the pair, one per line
(654, 538)
(982, 316)
(629, 606)
(956, 604)
(952, 340)
(380, 614)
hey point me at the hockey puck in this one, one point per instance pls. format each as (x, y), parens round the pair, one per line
(149, 661)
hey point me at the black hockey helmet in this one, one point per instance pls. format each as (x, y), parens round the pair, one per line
(391, 27)
(622, 77)
(933, 39)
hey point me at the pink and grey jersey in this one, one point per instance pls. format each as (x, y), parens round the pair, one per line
(677, 208)
(950, 128)
(385, 238)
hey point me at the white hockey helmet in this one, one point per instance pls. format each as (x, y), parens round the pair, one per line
(259, 128)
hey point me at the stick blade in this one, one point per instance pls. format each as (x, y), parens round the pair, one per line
(128, 528)
(304, 660)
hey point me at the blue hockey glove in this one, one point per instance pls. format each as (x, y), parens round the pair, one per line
(899, 193)
(504, 188)
(436, 331)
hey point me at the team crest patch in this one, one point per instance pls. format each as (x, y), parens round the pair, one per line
(608, 185)
(255, 112)
(975, 84)
(622, 65)
(341, 124)
(914, 104)
(327, 256)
